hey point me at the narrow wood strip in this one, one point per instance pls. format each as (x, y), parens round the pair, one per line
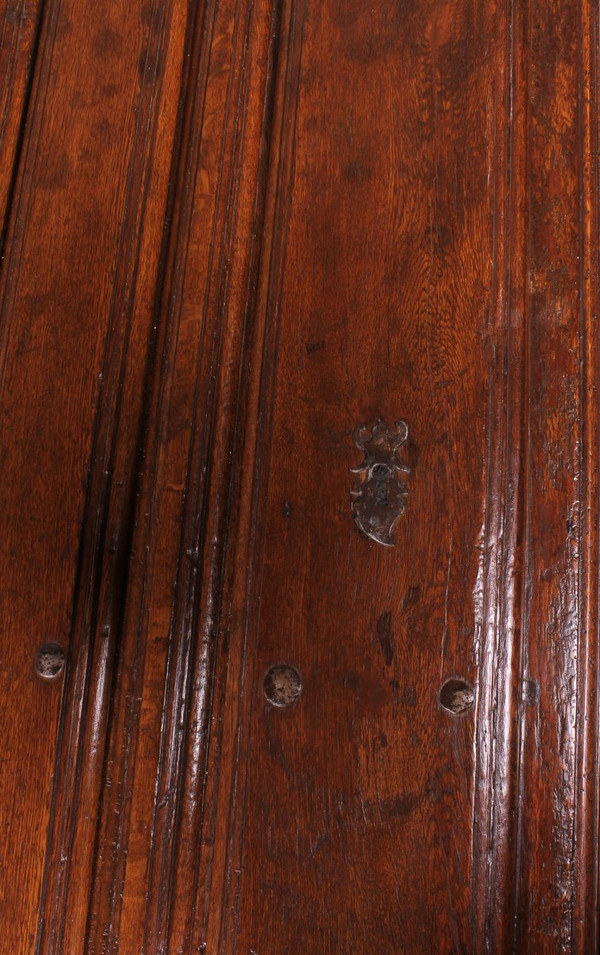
(55, 292)
(559, 419)
(158, 744)
(586, 833)
(499, 685)
(106, 535)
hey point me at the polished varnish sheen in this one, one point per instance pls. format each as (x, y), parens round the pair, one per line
(299, 453)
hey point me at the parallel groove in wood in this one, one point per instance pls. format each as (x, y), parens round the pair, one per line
(187, 167)
(513, 937)
(14, 228)
(499, 690)
(116, 819)
(585, 830)
(508, 933)
(157, 912)
(193, 542)
(496, 464)
(208, 621)
(195, 795)
(104, 907)
(195, 519)
(16, 82)
(207, 904)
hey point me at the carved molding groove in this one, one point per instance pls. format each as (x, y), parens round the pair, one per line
(379, 497)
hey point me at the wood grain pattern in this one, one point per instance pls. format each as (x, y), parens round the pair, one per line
(233, 232)
(558, 645)
(373, 858)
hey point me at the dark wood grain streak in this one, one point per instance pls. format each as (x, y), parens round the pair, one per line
(20, 30)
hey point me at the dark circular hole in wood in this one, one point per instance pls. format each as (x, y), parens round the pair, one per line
(49, 660)
(282, 685)
(457, 696)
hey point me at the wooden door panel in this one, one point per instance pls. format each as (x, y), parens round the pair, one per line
(244, 241)
(555, 849)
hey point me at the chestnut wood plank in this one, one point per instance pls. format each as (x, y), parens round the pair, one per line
(557, 880)
(352, 813)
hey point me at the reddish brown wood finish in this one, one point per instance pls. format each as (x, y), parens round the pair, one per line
(234, 231)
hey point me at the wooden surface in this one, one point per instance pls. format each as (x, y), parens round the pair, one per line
(233, 232)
